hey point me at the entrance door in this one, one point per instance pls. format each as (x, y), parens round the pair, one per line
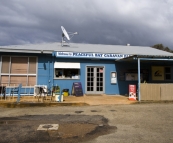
(94, 80)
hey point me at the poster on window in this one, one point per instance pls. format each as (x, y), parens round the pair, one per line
(132, 92)
(157, 73)
(101, 70)
(113, 77)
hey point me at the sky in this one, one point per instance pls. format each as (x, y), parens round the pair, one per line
(112, 22)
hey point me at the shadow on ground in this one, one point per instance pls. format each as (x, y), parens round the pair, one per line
(72, 128)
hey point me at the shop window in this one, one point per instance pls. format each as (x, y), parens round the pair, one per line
(161, 73)
(19, 65)
(5, 64)
(32, 65)
(65, 70)
(167, 73)
(31, 80)
(17, 80)
(67, 73)
(16, 70)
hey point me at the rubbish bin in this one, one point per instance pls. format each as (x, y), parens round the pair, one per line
(65, 92)
(59, 98)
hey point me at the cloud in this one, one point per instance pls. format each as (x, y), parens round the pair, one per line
(140, 23)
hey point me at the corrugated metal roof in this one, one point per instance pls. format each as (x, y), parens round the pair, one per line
(92, 48)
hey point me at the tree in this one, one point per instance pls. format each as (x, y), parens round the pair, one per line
(161, 47)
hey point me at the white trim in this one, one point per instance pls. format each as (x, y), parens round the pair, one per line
(18, 74)
(65, 65)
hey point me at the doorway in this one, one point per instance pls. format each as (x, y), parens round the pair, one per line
(95, 80)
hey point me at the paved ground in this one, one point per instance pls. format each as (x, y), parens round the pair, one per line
(73, 100)
(135, 123)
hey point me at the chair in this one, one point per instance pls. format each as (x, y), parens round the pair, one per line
(45, 93)
(14, 90)
(41, 92)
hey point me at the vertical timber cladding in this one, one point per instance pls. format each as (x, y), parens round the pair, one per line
(166, 92)
(45, 71)
(150, 91)
(156, 91)
(95, 79)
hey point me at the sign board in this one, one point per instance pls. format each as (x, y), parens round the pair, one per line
(133, 76)
(157, 73)
(77, 89)
(132, 92)
(90, 55)
(113, 77)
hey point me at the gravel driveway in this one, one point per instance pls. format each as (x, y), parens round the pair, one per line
(123, 123)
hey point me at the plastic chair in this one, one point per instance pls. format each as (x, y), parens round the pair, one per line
(17, 91)
(14, 90)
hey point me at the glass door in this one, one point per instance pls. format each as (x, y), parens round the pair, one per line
(95, 80)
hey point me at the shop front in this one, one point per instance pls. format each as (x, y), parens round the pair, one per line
(94, 76)
(152, 77)
(98, 68)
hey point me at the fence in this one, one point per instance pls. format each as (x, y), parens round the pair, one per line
(35, 93)
(156, 92)
(25, 91)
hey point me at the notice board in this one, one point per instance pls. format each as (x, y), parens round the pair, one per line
(77, 89)
(133, 76)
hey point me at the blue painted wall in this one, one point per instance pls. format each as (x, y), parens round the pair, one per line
(109, 66)
(45, 72)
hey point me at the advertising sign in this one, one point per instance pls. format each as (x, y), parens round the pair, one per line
(157, 73)
(77, 89)
(113, 77)
(132, 92)
(90, 55)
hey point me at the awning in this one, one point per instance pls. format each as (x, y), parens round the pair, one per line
(64, 65)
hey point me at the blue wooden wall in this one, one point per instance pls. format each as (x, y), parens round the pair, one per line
(45, 72)
(109, 66)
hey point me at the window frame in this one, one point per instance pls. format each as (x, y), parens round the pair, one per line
(63, 76)
(27, 74)
(167, 73)
(163, 69)
(63, 67)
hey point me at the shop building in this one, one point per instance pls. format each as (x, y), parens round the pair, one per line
(101, 69)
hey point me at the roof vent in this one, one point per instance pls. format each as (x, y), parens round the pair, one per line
(128, 44)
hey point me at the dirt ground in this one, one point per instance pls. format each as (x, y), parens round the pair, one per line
(90, 124)
(72, 128)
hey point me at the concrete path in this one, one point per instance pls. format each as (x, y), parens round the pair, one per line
(100, 100)
(72, 100)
